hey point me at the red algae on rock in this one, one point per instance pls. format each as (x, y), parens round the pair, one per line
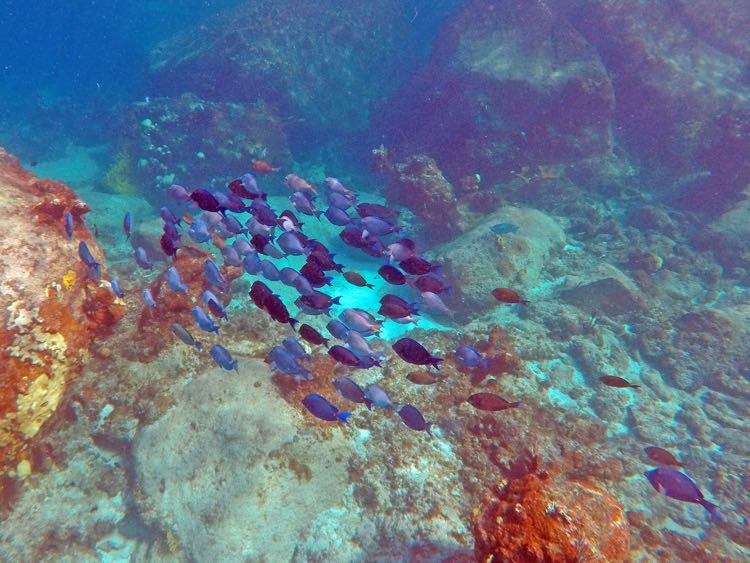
(537, 518)
(50, 311)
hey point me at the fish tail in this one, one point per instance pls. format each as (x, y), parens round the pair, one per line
(514, 405)
(711, 507)
(368, 404)
(293, 323)
(336, 300)
(635, 386)
(369, 286)
(524, 302)
(343, 416)
(436, 363)
(428, 429)
(198, 346)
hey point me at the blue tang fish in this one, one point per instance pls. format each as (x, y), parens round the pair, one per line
(127, 224)
(414, 419)
(223, 358)
(173, 280)
(504, 228)
(141, 258)
(677, 485)
(322, 409)
(148, 298)
(198, 231)
(213, 275)
(116, 288)
(203, 320)
(69, 225)
(470, 357)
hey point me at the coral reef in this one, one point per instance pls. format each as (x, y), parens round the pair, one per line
(46, 325)
(536, 518)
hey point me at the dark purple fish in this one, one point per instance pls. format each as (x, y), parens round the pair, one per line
(343, 355)
(374, 209)
(432, 284)
(168, 245)
(260, 242)
(392, 275)
(322, 409)
(679, 486)
(417, 266)
(205, 200)
(337, 216)
(319, 301)
(413, 352)
(168, 217)
(396, 301)
(314, 273)
(260, 293)
(127, 224)
(351, 391)
(263, 213)
(414, 419)
(278, 311)
(311, 335)
(286, 214)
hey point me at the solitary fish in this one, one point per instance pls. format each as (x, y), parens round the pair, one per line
(491, 402)
(127, 224)
(470, 357)
(662, 456)
(356, 279)
(614, 381)
(677, 485)
(507, 295)
(414, 419)
(324, 410)
(223, 358)
(182, 333)
(423, 377)
(504, 228)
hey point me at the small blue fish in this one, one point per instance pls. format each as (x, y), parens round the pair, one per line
(288, 276)
(504, 228)
(198, 231)
(142, 259)
(269, 270)
(282, 360)
(414, 419)
(379, 397)
(173, 280)
(322, 409)
(231, 256)
(351, 391)
(251, 263)
(85, 254)
(69, 225)
(182, 333)
(116, 288)
(242, 246)
(290, 243)
(168, 217)
(470, 357)
(207, 296)
(295, 348)
(223, 358)
(148, 299)
(232, 225)
(213, 275)
(338, 329)
(203, 320)
(127, 224)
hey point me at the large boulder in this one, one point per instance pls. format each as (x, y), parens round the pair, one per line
(321, 63)
(50, 310)
(510, 86)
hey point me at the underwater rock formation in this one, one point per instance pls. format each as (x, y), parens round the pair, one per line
(50, 310)
(192, 141)
(480, 260)
(509, 84)
(537, 518)
(322, 64)
(680, 84)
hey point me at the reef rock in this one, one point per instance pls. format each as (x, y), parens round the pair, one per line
(605, 291)
(479, 260)
(537, 519)
(679, 74)
(321, 63)
(191, 141)
(509, 85)
(50, 311)
(229, 474)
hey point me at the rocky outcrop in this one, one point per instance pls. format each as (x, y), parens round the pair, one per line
(50, 310)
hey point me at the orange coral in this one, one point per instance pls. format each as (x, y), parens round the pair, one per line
(536, 518)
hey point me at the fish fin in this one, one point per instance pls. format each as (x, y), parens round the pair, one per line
(713, 510)
(336, 300)
(343, 416)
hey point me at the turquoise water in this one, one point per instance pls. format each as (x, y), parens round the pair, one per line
(563, 153)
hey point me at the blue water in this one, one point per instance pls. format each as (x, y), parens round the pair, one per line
(563, 152)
